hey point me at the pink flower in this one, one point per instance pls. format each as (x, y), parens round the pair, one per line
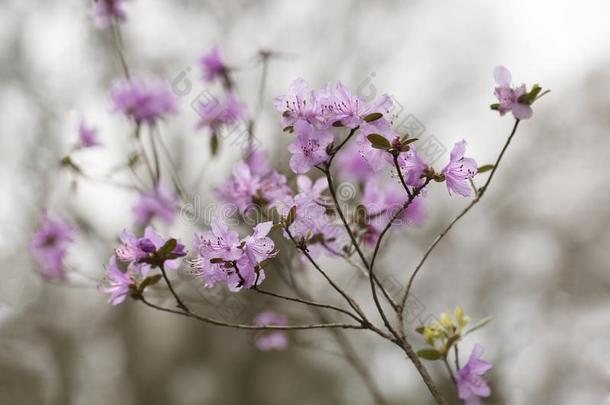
(382, 202)
(342, 106)
(459, 170)
(309, 147)
(412, 167)
(212, 65)
(508, 96)
(135, 250)
(470, 382)
(143, 101)
(301, 104)
(160, 204)
(87, 136)
(216, 113)
(105, 12)
(116, 283)
(313, 189)
(351, 165)
(271, 339)
(253, 182)
(223, 258)
(377, 159)
(49, 246)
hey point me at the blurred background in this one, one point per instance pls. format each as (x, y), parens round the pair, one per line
(534, 253)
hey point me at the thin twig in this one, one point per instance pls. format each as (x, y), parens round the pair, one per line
(457, 218)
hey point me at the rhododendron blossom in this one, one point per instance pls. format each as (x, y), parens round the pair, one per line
(143, 101)
(106, 12)
(224, 258)
(212, 65)
(117, 283)
(459, 170)
(508, 96)
(274, 339)
(87, 136)
(135, 250)
(49, 246)
(224, 111)
(470, 382)
(309, 147)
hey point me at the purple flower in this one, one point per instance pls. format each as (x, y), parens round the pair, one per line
(470, 382)
(376, 158)
(412, 167)
(218, 112)
(223, 258)
(508, 96)
(159, 204)
(87, 136)
(143, 101)
(106, 12)
(271, 339)
(133, 250)
(351, 165)
(309, 147)
(313, 189)
(459, 170)
(49, 245)
(301, 104)
(213, 66)
(382, 202)
(253, 182)
(116, 283)
(342, 106)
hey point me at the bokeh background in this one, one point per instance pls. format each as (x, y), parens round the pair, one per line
(534, 254)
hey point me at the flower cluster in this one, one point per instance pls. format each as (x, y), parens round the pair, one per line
(223, 258)
(49, 246)
(87, 136)
(515, 99)
(139, 256)
(143, 101)
(444, 334)
(253, 183)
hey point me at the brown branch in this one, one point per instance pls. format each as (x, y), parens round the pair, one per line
(217, 322)
(478, 197)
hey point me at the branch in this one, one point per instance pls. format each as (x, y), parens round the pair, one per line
(217, 322)
(179, 302)
(457, 218)
(307, 302)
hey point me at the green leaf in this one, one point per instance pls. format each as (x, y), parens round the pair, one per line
(478, 325)
(372, 117)
(214, 144)
(289, 129)
(148, 281)
(379, 142)
(495, 106)
(485, 168)
(429, 354)
(216, 260)
(337, 124)
(292, 214)
(167, 249)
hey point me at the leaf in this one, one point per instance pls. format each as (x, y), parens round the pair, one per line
(167, 248)
(410, 140)
(148, 281)
(379, 142)
(429, 354)
(289, 129)
(292, 214)
(214, 144)
(372, 117)
(495, 106)
(337, 124)
(485, 168)
(215, 260)
(478, 325)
